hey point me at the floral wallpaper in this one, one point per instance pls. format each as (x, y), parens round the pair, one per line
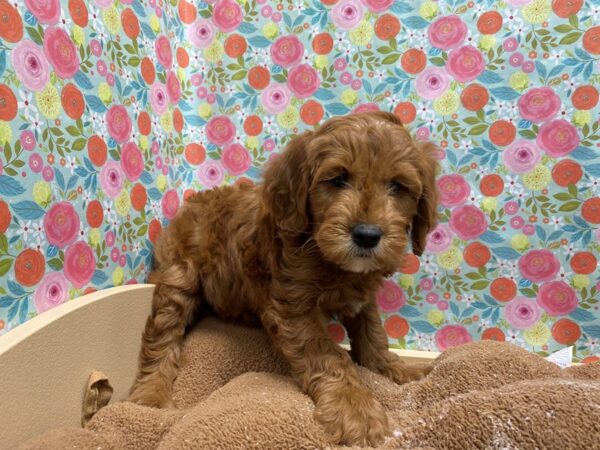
(112, 112)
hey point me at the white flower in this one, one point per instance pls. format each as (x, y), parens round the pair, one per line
(513, 336)
(593, 184)
(513, 186)
(25, 230)
(65, 21)
(557, 222)
(466, 145)
(26, 103)
(556, 56)
(72, 164)
(563, 274)
(83, 233)
(36, 123)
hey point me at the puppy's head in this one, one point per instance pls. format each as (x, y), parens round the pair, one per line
(359, 187)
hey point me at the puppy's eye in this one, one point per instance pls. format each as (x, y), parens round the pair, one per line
(397, 188)
(339, 181)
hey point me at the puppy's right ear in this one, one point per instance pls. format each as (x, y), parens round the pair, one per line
(286, 184)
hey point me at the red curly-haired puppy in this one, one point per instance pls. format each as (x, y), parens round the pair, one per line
(315, 240)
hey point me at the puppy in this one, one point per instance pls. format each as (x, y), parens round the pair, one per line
(315, 240)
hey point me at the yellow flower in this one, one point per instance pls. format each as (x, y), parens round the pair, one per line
(487, 42)
(78, 35)
(428, 10)
(144, 142)
(538, 178)
(5, 132)
(321, 61)
(161, 183)
(435, 317)
(48, 101)
(105, 92)
(123, 203)
(42, 193)
(214, 52)
(166, 121)
(117, 276)
(537, 335)
(154, 23)
(519, 81)
(94, 236)
(349, 97)
(111, 19)
(180, 74)
(406, 280)
(537, 11)
(447, 104)
(204, 110)
(362, 34)
(288, 119)
(519, 242)
(580, 281)
(489, 204)
(270, 30)
(581, 118)
(252, 142)
(450, 259)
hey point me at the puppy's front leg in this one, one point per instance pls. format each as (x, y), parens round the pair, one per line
(369, 345)
(345, 408)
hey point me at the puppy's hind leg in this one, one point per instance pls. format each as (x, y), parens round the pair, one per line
(173, 309)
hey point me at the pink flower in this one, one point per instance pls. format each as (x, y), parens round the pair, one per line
(61, 224)
(220, 130)
(45, 11)
(111, 179)
(468, 222)
(346, 14)
(201, 33)
(303, 81)
(511, 207)
(163, 51)
(28, 140)
(236, 159)
(287, 51)
(159, 98)
(439, 239)
(539, 265)
(522, 313)
(557, 298)
(557, 138)
(454, 190)
(432, 82)
(378, 6)
(210, 173)
(366, 107)
(30, 64)
(36, 164)
(465, 63)
(227, 15)
(103, 3)
(96, 47)
(61, 52)
(452, 336)
(521, 156)
(80, 264)
(173, 88)
(51, 292)
(132, 161)
(447, 32)
(275, 98)
(539, 104)
(118, 123)
(170, 203)
(390, 297)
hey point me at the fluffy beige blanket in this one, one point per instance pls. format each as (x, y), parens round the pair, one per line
(234, 393)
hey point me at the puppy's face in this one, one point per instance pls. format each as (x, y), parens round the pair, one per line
(366, 190)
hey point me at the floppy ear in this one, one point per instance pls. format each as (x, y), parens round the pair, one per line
(427, 215)
(285, 188)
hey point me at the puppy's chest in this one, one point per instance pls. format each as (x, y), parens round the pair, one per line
(343, 301)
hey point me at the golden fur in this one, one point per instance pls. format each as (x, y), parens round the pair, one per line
(282, 252)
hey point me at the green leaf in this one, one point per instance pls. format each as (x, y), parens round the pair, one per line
(563, 196)
(573, 20)
(134, 61)
(572, 190)
(437, 61)
(385, 50)
(527, 134)
(5, 266)
(73, 130)
(55, 264)
(79, 144)
(3, 244)
(239, 75)
(391, 59)
(570, 206)
(35, 35)
(564, 28)
(473, 276)
(478, 129)
(570, 38)
(471, 120)
(480, 285)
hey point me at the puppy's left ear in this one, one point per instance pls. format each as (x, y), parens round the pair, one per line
(427, 215)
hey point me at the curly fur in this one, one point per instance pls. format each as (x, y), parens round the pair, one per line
(282, 252)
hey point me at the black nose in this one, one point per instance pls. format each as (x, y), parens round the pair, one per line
(366, 235)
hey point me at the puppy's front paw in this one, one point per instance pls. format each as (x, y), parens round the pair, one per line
(353, 417)
(151, 394)
(401, 372)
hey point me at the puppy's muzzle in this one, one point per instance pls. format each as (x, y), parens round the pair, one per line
(366, 235)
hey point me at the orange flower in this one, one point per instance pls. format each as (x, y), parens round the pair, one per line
(491, 185)
(8, 103)
(591, 40)
(79, 12)
(187, 12)
(94, 214)
(144, 123)
(387, 27)
(396, 327)
(566, 172)
(235, 45)
(413, 61)
(336, 332)
(72, 101)
(406, 111)
(130, 23)
(311, 112)
(253, 125)
(177, 120)
(566, 8)
(154, 230)
(585, 97)
(322, 44)
(477, 254)
(502, 132)
(410, 264)
(493, 334)
(30, 266)
(590, 359)
(474, 97)
(490, 22)
(183, 59)
(590, 210)
(566, 332)
(148, 71)
(584, 263)
(97, 150)
(503, 289)
(5, 216)
(195, 154)
(139, 197)
(259, 77)
(11, 24)
(188, 193)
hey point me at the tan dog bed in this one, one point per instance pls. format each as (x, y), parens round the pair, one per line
(233, 392)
